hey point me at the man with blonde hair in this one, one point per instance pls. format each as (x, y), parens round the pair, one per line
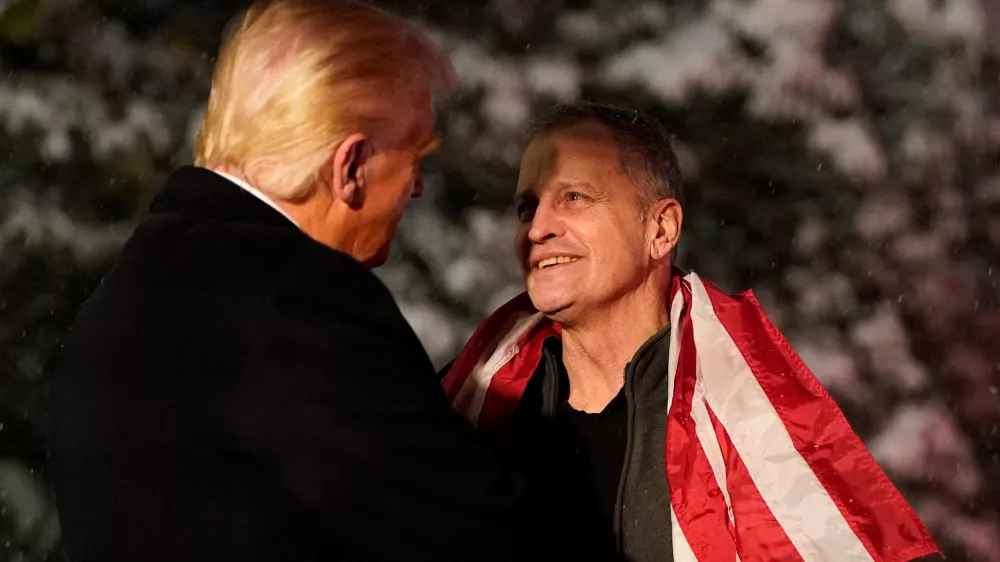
(241, 386)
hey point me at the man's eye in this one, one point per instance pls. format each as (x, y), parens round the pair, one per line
(524, 210)
(574, 196)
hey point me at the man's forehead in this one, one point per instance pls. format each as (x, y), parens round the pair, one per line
(419, 133)
(577, 150)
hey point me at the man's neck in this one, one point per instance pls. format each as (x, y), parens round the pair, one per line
(597, 349)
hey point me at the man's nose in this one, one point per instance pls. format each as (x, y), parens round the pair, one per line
(544, 225)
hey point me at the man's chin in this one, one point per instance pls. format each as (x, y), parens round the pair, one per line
(550, 307)
(378, 259)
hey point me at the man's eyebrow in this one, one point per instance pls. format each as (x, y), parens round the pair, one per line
(578, 184)
(529, 193)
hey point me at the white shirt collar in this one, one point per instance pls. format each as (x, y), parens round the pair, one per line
(256, 193)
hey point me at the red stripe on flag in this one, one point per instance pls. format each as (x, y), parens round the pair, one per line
(491, 330)
(759, 536)
(872, 506)
(508, 384)
(694, 493)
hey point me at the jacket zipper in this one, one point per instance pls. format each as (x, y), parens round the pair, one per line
(620, 499)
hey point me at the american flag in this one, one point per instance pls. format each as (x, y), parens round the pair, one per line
(760, 461)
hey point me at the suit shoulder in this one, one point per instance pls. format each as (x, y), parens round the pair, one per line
(333, 294)
(321, 277)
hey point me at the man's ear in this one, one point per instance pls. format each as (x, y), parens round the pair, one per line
(344, 173)
(666, 218)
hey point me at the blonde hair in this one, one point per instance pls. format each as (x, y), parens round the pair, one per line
(297, 76)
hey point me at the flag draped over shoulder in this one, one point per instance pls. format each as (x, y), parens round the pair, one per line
(760, 461)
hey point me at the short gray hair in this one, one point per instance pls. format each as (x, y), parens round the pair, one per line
(647, 154)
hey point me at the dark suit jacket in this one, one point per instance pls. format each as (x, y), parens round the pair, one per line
(235, 390)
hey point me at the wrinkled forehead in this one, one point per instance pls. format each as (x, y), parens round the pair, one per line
(582, 152)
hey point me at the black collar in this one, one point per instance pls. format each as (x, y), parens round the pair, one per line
(193, 190)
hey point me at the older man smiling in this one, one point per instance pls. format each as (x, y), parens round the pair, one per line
(658, 418)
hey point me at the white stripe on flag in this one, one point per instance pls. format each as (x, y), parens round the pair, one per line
(472, 393)
(788, 486)
(675, 345)
(682, 550)
(710, 442)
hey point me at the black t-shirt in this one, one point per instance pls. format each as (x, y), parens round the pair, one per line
(573, 461)
(600, 448)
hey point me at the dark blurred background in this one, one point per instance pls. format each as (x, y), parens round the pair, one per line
(842, 158)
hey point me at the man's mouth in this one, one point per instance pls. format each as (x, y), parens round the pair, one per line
(549, 262)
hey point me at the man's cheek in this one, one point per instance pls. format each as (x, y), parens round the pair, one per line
(525, 266)
(521, 245)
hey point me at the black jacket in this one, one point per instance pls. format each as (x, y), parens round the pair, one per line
(534, 445)
(235, 390)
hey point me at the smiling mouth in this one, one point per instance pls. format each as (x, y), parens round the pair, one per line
(549, 262)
